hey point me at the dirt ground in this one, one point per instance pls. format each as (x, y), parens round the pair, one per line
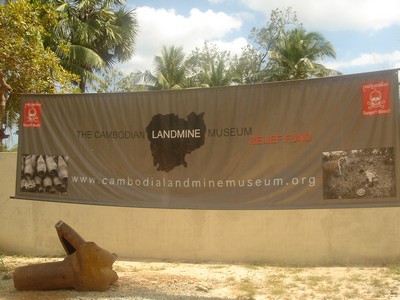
(145, 280)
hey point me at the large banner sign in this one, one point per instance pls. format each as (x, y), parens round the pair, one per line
(331, 142)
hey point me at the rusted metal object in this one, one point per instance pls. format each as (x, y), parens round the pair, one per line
(69, 238)
(86, 268)
(62, 169)
(41, 168)
(51, 170)
(30, 165)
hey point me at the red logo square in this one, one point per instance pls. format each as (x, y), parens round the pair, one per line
(32, 114)
(376, 98)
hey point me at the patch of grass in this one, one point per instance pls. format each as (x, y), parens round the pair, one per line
(247, 288)
(328, 288)
(356, 278)
(217, 266)
(378, 283)
(295, 270)
(252, 266)
(3, 267)
(133, 270)
(310, 280)
(318, 283)
(155, 268)
(275, 278)
(394, 270)
(276, 284)
(352, 293)
(314, 279)
(380, 286)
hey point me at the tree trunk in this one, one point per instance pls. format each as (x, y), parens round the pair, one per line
(82, 84)
(4, 87)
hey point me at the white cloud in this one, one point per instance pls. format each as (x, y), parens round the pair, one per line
(164, 27)
(215, 1)
(336, 15)
(378, 60)
(159, 27)
(235, 46)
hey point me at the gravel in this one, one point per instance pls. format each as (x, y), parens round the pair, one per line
(145, 280)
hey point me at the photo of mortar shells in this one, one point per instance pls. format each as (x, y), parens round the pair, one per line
(44, 173)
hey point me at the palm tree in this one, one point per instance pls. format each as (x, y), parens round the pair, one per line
(92, 35)
(215, 73)
(170, 68)
(210, 67)
(298, 55)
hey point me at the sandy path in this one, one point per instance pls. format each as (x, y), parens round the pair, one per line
(169, 280)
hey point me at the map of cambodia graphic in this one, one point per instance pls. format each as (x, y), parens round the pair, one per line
(172, 137)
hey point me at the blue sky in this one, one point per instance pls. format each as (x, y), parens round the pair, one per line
(364, 33)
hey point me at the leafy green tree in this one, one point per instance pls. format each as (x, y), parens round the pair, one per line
(92, 35)
(115, 81)
(170, 68)
(298, 55)
(247, 68)
(210, 67)
(108, 82)
(287, 51)
(266, 39)
(28, 67)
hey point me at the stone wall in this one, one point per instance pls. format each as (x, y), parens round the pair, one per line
(287, 237)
